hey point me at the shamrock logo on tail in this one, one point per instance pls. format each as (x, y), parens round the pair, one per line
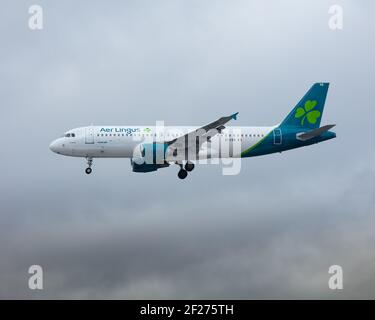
(308, 112)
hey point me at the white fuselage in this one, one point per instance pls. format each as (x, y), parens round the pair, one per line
(123, 141)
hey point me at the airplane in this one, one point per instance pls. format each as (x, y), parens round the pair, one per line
(154, 147)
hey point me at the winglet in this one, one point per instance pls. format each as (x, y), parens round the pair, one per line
(234, 116)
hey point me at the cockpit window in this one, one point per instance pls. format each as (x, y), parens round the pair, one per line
(68, 135)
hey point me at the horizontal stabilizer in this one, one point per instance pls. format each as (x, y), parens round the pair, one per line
(303, 136)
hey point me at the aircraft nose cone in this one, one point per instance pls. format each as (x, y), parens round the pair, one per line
(54, 147)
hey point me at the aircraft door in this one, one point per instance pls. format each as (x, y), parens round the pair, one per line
(89, 135)
(277, 137)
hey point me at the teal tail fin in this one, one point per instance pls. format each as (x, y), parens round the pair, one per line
(309, 111)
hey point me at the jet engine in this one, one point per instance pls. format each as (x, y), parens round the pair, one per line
(149, 157)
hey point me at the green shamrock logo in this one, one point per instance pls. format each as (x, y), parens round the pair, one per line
(308, 112)
(146, 129)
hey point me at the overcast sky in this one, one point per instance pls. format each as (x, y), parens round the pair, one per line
(270, 232)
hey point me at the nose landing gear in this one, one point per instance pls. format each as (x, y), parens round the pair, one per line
(89, 163)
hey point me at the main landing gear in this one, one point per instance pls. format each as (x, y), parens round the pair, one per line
(189, 166)
(182, 174)
(89, 163)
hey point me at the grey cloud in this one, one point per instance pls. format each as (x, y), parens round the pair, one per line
(270, 232)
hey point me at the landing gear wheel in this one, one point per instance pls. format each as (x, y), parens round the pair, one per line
(89, 163)
(189, 166)
(182, 174)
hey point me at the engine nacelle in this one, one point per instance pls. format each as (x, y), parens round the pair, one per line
(151, 152)
(149, 157)
(139, 165)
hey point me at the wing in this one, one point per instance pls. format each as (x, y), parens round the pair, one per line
(194, 139)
